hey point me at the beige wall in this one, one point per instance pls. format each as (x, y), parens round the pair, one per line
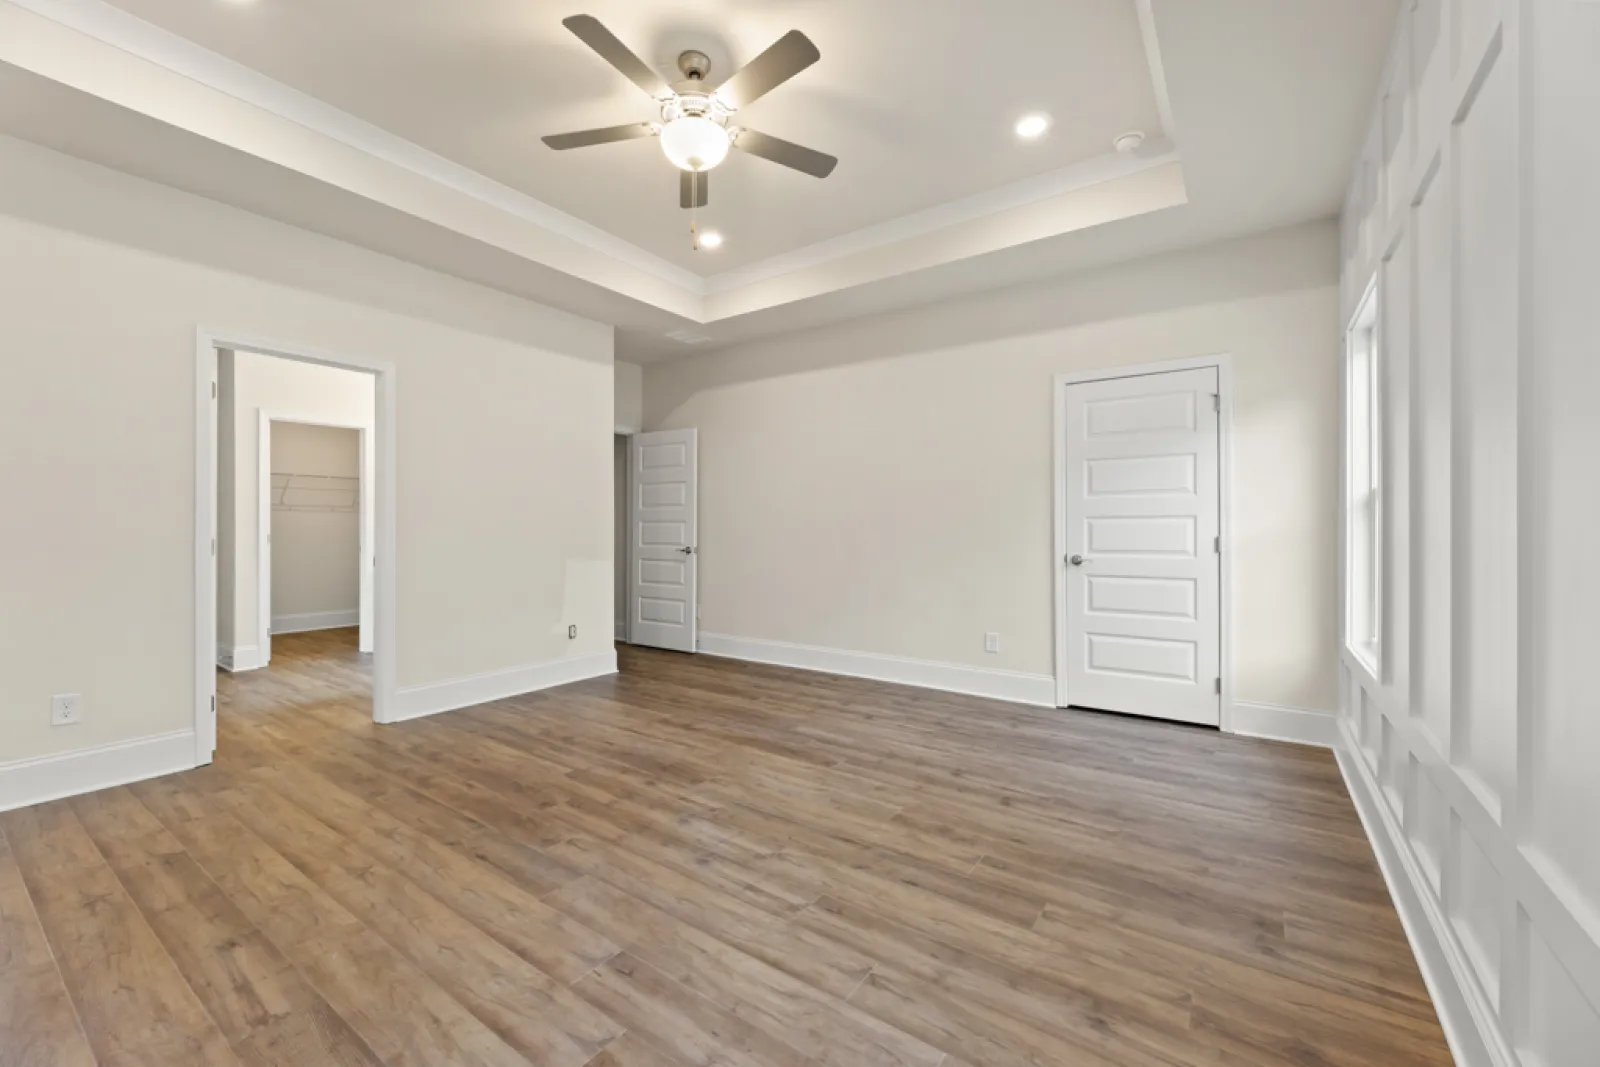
(630, 397)
(885, 486)
(316, 551)
(281, 387)
(504, 413)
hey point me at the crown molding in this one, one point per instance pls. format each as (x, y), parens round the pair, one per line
(113, 26)
(1078, 176)
(865, 253)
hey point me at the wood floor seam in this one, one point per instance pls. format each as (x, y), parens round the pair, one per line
(699, 862)
(55, 962)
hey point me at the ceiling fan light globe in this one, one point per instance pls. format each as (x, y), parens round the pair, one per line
(694, 143)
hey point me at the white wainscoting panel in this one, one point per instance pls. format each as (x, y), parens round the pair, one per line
(1473, 755)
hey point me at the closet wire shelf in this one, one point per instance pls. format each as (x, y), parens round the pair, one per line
(329, 493)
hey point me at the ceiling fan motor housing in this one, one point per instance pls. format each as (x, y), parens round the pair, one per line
(694, 65)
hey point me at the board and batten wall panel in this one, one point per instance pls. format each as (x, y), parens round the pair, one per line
(1474, 755)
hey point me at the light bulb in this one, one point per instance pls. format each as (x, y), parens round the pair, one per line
(694, 142)
(711, 239)
(1030, 127)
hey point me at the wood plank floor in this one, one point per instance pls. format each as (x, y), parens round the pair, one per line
(704, 863)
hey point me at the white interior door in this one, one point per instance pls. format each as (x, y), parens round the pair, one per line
(664, 565)
(1142, 605)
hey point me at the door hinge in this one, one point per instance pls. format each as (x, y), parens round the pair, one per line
(1216, 544)
(213, 703)
(213, 546)
(1219, 687)
(213, 390)
(1216, 401)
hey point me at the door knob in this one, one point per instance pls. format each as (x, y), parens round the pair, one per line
(1076, 561)
(686, 550)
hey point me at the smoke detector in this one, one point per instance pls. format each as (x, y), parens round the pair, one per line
(1128, 143)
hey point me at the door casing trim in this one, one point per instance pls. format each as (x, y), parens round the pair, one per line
(208, 341)
(1223, 362)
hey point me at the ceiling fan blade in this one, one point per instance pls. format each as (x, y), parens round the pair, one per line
(584, 138)
(806, 160)
(792, 53)
(692, 191)
(588, 29)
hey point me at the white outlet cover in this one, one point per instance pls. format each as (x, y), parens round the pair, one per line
(991, 642)
(66, 709)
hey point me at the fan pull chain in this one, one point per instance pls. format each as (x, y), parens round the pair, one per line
(694, 209)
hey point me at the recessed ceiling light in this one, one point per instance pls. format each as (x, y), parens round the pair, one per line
(1032, 127)
(711, 239)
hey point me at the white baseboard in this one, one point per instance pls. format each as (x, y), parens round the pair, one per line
(1320, 728)
(1039, 689)
(242, 658)
(1469, 1024)
(66, 774)
(315, 620)
(417, 701)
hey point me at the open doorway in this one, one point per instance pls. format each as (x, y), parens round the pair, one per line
(294, 490)
(658, 577)
(314, 524)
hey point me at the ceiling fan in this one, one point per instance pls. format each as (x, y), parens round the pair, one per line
(694, 127)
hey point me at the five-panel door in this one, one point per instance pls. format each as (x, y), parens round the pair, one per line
(1142, 609)
(663, 565)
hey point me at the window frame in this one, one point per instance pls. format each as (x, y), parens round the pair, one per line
(1364, 483)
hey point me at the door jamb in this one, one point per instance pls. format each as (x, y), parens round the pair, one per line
(264, 519)
(626, 548)
(1223, 362)
(208, 340)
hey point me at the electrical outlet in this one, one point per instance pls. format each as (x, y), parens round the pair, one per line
(991, 642)
(572, 632)
(66, 709)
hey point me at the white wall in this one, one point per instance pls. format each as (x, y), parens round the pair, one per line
(1475, 754)
(630, 397)
(282, 387)
(504, 415)
(885, 486)
(316, 547)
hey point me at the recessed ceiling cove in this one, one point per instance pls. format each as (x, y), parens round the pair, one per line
(917, 98)
(978, 145)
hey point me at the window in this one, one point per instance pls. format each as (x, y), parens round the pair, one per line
(1364, 485)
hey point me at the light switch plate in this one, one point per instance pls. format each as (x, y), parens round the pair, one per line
(991, 642)
(66, 709)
